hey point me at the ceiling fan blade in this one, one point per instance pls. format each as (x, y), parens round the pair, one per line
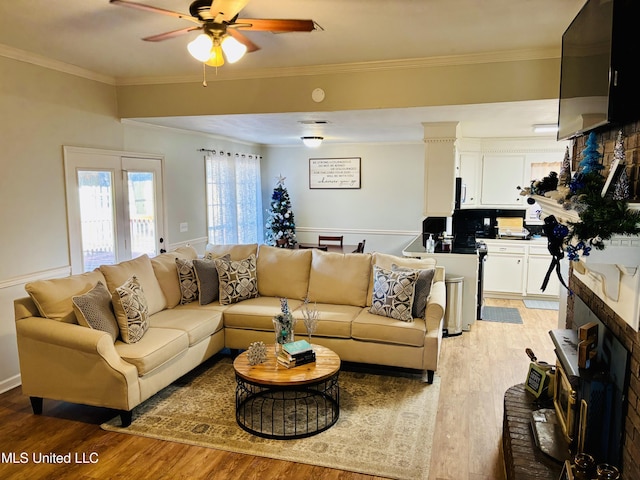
(225, 10)
(168, 35)
(275, 25)
(148, 8)
(251, 47)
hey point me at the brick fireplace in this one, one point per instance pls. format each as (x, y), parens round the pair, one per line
(629, 338)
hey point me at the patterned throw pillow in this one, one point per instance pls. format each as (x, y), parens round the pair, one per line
(131, 310)
(207, 277)
(393, 293)
(188, 281)
(94, 310)
(423, 288)
(238, 279)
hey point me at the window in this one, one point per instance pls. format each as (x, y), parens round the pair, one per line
(234, 202)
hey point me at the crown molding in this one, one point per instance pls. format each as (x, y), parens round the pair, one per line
(229, 74)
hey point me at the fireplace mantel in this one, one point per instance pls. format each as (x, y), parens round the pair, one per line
(613, 274)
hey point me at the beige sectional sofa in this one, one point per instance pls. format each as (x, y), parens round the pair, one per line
(63, 360)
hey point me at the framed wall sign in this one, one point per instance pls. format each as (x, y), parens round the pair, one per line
(334, 172)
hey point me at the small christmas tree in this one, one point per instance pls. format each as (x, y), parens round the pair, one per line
(565, 170)
(591, 156)
(281, 227)
(621, 187)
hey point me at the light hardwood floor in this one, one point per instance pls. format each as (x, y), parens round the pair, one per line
(476, 369)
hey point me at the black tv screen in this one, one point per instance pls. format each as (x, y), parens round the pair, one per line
(598, 84)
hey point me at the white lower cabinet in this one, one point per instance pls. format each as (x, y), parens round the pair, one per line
(538, 264)
(517, 269)
(504, 270)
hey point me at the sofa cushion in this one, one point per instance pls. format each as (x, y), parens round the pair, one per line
(338, 278)
(53, 297)
(283, 272)
(186, 251)
(333, 320)
(368, 327)
(256, 313)
(95, 310)
(385, 260)
(393, 293)
(237, 279)
(236, 252)
(423, 288)
(156, 348)
(208, 279)
(166, 272)
(132, 312)
(197, 323)
(187, 280)
(141, 267)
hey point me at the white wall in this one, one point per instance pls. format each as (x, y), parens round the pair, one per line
(386, 210)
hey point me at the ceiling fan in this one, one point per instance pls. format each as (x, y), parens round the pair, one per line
(218, 20)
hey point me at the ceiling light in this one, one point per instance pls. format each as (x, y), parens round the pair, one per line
(545, 128)
(200, 47)
(233, 49)
(312, 142)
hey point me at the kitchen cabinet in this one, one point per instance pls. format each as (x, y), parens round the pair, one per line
(516, 268)
(501, 177)
(538, 263)
(504, 269)
(470, 173)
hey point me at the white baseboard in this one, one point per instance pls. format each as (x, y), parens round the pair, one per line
(9, 383)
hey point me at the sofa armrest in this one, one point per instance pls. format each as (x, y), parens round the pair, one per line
(436, 305)
(64, 361)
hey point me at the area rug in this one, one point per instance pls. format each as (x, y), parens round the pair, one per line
(501, 314)
(542, 304)
(385, 427)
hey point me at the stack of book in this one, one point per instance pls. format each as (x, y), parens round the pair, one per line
(297, 353)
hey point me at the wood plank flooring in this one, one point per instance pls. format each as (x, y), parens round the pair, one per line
(476, 369)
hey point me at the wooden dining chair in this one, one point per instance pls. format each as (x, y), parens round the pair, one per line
(360, 247)
(325, 239)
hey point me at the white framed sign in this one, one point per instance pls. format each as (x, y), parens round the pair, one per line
(334, 172)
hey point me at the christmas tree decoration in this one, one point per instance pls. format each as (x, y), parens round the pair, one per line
(591, 156)
(621, 189)
(281, 226)
(565, 170)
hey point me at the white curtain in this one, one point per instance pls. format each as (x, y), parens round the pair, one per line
(234, 202)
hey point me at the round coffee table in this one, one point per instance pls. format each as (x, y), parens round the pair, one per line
(274, 401)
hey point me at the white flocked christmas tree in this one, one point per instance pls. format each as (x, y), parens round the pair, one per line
(281, 226)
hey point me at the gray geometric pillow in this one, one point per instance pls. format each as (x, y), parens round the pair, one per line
(393, 293)
(188, 281)
(238, 279)
(207, 277)
(131, 310)
(423, 288)
(94, 310)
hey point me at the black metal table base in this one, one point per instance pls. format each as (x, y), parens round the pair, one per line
(287, 412)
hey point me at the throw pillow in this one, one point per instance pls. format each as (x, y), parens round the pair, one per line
(423, 288)
(393, 293)
(94, 310)
(188, 281)
(238, 280)
(132, 312)
(207, 278)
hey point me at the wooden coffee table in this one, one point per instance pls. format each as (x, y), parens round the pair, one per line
(273, 401)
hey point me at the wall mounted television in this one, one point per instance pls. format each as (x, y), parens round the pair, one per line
(599, 85)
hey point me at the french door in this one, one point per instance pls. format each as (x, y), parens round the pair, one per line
(114, 206)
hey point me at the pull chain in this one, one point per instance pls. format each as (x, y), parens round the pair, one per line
(204, 75)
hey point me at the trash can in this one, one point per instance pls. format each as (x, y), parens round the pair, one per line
(453, 311)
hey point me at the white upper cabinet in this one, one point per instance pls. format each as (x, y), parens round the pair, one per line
(501, 177)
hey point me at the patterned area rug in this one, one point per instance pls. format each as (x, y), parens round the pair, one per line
(501, 314)
(385, 427)
(542, 304)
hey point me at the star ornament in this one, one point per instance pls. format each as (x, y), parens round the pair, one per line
(281, 179)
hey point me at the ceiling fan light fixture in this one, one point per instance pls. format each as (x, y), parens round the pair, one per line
(216, 59)
(200, 47)
(312, 142)
(233, 49)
